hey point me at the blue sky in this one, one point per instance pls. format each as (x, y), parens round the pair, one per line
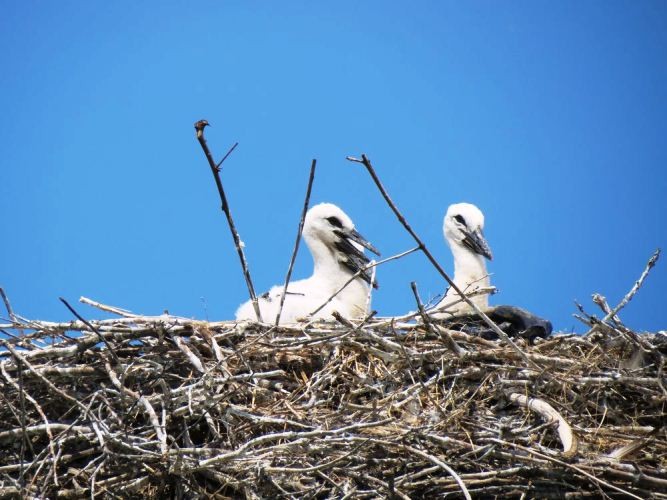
(550, 116)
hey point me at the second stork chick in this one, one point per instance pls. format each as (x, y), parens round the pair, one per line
(463, 228)
(338, 254)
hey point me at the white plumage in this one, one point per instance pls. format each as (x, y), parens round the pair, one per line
(463, 226)
(337, 250)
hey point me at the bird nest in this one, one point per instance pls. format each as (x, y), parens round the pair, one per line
(172, 407)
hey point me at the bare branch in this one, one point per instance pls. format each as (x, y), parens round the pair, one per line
(106, 308)
(611, 315)
(444, 334)
(8, 305)
(306, 202)
(371, 265)
(215, 170)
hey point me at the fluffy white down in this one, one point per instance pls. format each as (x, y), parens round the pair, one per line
(329, 275)
(469, 266)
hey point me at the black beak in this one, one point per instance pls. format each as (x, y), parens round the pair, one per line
(353, 235)
(476, 242)
(355, 260)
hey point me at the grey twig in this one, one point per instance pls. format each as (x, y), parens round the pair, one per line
(369, 167)
(24, 435)
(101, 337)
(12, 317)
(444, 467)
(611, 315)
(415, 375)
(371, 265)
(444, 335)
(215, 169)
(306, 202)
(8, 306)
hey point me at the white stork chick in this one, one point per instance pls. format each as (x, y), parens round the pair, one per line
(463, 227)
(337, 250)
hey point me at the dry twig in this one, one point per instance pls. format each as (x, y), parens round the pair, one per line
(215, 169)
(611, 314)
(306, 203)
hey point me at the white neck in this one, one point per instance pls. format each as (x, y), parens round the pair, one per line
(469, 268)
(469, 274)
(330, 276)
(326, 266)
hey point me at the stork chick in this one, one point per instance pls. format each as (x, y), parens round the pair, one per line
(463, 226)
(337, 250)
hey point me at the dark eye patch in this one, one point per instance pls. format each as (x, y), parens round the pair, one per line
(335, 221)
(460, 219)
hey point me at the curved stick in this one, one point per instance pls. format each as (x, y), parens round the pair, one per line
(567, 437)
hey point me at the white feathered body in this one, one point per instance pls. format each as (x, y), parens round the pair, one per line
(336, 257)
(462, 227)
(469, 274)
(305, 296)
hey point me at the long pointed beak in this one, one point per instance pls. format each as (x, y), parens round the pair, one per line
(353, 235)
(476, 242)
(355, 260)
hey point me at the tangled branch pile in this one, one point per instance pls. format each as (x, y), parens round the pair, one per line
(164, 405)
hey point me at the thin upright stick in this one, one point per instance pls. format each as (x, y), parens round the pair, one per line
(611, 315)
(449, 341)
(215, 169)
(8, 306)
(12, 316)
(19, 365)
(374, 269)
(306, 202)
(366, 162)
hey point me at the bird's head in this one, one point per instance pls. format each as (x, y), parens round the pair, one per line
(464, 225)
(328, 225)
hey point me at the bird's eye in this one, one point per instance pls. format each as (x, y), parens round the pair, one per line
(335, 221)
(460, 219)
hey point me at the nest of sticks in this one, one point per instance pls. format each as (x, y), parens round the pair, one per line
(166, 406)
